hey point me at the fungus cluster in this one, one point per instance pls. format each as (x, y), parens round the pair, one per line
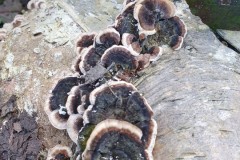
(36, 4)
(103, 113)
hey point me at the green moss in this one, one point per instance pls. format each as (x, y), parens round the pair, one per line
(1, 1)
(217, 16)
(84, 135)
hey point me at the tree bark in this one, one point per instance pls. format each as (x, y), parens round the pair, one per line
(194, 92)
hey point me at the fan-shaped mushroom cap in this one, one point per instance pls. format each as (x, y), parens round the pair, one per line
(125, 22)
(58, 118)
(74, 125)
(107, 38)
(120, 100)
(59, 152)
(36, 4)
(130, 41)
(78, 99)
(148, 12)
(59, 94)
(73, 100)
(89, 59)
(143, 61)
(169, 31)
(76, 62)
(155, 53)
(121, 56)
(114, 139)
(84, 40)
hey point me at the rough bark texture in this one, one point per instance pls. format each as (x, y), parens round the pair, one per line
(194, 91)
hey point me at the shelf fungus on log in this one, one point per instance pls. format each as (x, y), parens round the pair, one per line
(36, 4)
(122, 57)
(84, 40)
(115, 139)
(148, 13)
(131, 42)
(120, 100)
(74, 125)
(59, 152)
(89, 59)
(55, 107)
(169, 31)
(125, 22)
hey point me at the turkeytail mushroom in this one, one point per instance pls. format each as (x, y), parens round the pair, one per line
(115, 139)
(148, 13)
(122, 57)
(89, 59)
(106, 39)
(73, 100)
(84, 40)
(131, 42)
(58, 118)
(78, 99)
(120, 100)
(74, 125)
(125, 22)
(59, 152)
(36, 4)
(55, 107)
(169, 31)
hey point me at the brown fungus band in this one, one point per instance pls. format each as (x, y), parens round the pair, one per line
(74, 125)
(89, 59)
(125, 22)
(148, 12)
(114, 139)
(169, 31)
(59, 152)
(120, 100)
(122, 57)
(106, 39)
(56, 104)
(84, 40)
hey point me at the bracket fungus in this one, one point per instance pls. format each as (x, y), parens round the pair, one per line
(55, 107)
(84, 40)
(122, 57)
(114, 139)
(148, 12)
(106, 39)
(125, 22)
(36, 4)
(89, 59)
(74, 125)
(121, 100)
(170, 31)
(104, 114)
(59, 152)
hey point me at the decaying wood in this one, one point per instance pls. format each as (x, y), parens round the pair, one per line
(194, 92)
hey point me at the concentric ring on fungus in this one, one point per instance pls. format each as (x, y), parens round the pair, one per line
(120, 100)
(55, 107)
(115, 139)
(84, 40)
(148, 12)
